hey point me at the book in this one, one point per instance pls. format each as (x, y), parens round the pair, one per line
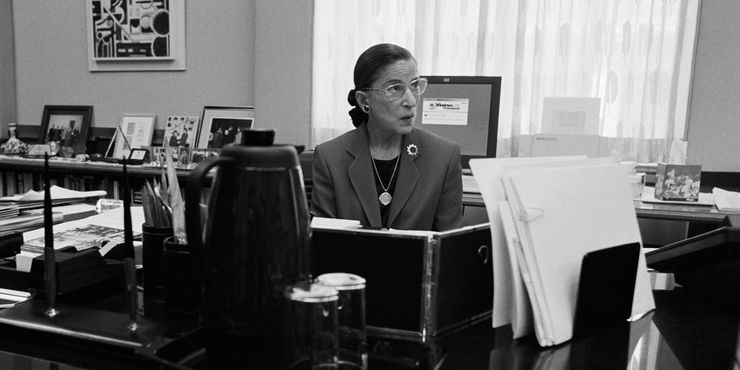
(79, 238)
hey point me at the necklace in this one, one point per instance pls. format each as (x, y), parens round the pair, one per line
(385, 198)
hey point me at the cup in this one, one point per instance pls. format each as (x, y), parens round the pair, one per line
(351, 328)
(181, 290)
(152, 240)
(310, 324)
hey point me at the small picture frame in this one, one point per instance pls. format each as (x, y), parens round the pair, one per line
(158, 156)
(181, 131)
(198, 156)
(38, 150)
(66, 124)
(221, 125)
(138, 156)
(135, 131)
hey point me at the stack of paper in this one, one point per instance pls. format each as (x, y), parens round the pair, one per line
(59, 195)
(550, 214)
(726, 201)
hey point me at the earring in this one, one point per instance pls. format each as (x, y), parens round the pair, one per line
(366, 108)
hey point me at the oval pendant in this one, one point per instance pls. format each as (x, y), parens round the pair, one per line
(385, 198)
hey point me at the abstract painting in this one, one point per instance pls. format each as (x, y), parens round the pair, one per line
(126, 31)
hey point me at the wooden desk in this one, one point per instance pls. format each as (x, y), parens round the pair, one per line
(674, 212)
(683, 332)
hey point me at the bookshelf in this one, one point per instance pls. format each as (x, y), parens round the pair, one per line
(19, 175)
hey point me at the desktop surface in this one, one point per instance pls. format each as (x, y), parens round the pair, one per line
(682, 332)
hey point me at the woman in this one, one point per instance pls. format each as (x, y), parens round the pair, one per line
(386, 173)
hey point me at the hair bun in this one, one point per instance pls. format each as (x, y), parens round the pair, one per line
(358, 116)
(351, 98)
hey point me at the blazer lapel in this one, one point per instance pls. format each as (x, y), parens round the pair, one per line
(408, 176)
(362, 178)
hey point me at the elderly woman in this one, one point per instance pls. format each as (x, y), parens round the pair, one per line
(386, 173)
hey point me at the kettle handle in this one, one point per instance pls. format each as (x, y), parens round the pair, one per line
(192, 203)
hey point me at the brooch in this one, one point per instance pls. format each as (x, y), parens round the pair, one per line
(412, 149)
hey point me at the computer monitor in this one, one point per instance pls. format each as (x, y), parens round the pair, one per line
(463, 109)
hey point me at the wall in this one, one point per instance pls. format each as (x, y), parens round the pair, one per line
(283, 50)
(7, 67)
(52, 69)
(714, 117)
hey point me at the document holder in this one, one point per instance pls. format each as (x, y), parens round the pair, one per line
(605, 289)
(707, 264)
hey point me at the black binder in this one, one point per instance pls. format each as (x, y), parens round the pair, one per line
(606, 288)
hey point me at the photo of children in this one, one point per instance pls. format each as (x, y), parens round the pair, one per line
(180, 131)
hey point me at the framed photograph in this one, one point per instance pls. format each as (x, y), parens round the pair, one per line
(158, 156)
(198, 156)
(181, 131)
(134, 35)
(223, 125)
(67, 125)
(135, 131)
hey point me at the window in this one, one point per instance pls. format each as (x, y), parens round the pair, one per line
(634, 55)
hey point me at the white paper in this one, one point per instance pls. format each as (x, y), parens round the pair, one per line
(521, 307)
(561, 214)
(726, 201)
(488, 172)
(57, 193)
(445, 111)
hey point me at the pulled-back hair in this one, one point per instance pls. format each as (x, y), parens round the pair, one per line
(367, 68)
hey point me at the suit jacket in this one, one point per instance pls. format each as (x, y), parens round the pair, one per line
(428, 193)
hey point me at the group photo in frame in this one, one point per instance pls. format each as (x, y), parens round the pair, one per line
(66, 125)
(221, 125)
(181, 131)
(134, 131)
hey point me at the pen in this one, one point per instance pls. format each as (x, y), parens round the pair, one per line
(50, 276)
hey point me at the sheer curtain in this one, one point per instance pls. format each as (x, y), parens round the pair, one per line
(635, 55)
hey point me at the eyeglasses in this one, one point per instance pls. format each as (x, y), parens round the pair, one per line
(397, 90)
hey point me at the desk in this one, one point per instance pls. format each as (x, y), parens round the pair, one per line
(683, 332)
(673, 212)
(660, 224)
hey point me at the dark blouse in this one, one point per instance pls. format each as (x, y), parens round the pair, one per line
(385, 170)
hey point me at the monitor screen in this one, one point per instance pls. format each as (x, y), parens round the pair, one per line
(463, 109)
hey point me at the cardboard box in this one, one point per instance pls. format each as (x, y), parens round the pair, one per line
(677, 182)
(419, 284)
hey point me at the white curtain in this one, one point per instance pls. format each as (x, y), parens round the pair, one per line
(635, 55)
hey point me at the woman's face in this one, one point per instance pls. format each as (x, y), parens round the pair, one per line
(392, 115)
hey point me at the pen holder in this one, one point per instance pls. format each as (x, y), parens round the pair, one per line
(181, 290)
(152, 238)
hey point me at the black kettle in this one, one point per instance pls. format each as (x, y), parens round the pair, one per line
(252, 242)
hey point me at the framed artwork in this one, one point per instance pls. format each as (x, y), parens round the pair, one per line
(67, 125)
(223, 125)
(136, 35)
(135, 131)
(181, 131)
